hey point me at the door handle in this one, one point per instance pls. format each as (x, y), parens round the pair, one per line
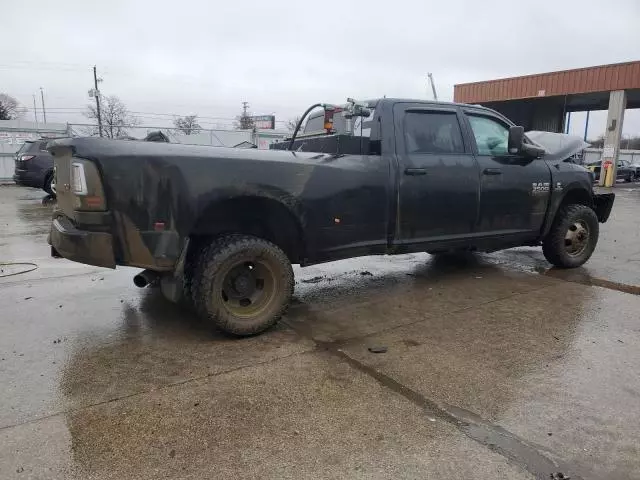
(415, 171)
(492, 171)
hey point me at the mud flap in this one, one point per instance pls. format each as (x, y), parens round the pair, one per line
(602, 204)
(171, 287)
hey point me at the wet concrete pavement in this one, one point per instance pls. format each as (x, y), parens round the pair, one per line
(496, 366)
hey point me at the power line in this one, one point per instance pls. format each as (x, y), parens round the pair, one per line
(62, 110)
(41, 67)
(47, 62)
(164, 127)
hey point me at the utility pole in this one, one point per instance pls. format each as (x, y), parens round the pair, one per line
(44, 111)
(35, 110)
(433, 86)
(97, 95)
(586, 127)
(244, 123)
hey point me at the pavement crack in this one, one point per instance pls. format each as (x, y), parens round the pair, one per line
(596, 282)
(516, 450)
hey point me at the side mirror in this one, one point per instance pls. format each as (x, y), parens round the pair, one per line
(516, 140)
(517, 146)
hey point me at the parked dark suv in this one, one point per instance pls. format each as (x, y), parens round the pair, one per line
(624, 171)
(34, 166)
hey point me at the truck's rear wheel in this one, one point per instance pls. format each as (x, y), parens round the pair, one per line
(573, 236)
(192, 270)
(243, 284)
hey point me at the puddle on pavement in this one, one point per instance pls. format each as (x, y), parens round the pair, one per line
(155, 344)
(29, 214)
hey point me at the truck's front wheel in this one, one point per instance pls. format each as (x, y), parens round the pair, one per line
(244, 284)
(573, 236)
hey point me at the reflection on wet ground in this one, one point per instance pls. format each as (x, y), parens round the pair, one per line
(490, 370)
(48, 200)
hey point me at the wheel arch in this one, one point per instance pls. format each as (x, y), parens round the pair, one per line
(573, 194)
(252, 214)
(577, 195)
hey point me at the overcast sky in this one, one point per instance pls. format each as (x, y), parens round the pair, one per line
(206, 57)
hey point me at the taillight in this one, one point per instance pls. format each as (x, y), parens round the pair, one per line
(24, 158)
(86, 186)
(78, 179)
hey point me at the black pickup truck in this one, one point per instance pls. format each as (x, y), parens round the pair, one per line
(221, 227)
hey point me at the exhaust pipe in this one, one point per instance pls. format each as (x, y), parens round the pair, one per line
(146, 278)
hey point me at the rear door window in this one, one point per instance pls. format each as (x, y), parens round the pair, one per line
(24, 148)
(432, 132)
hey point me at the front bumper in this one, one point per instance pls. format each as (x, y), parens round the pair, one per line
(92, 248)
(603, 203)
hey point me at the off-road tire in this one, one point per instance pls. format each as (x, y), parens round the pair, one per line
(218, 260)
(554, 245)
(191, 266)
(203, 250)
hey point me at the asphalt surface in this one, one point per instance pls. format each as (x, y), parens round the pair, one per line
(494, 366)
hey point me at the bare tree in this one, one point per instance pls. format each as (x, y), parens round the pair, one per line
(630, 143)
(598, 142)
(115, 117)
(292, 123)
(188, 124)
(9, 107)
(626, 143)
